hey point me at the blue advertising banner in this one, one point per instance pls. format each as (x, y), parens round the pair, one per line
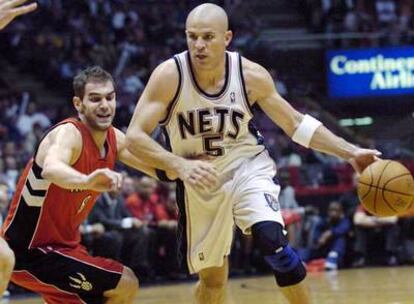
(370, 72)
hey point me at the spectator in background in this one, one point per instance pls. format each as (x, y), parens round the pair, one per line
(166, 223)
(369, 228)
(132, 83)
(279, 84)
(29, 115)
(5, 253)
(330, 238)
(407, 238)
(141, 203)
(351, 21)
(292, 213)
(11, 171)
(289, 157)
(128, 187)
(335, 14)
(388, 21)
(4, 200)
(386, 12)
(133, 238)
(350, 200)
(33, 138)
(99, 242)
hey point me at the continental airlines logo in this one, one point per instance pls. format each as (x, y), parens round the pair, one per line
(80, 282)
(387, 72)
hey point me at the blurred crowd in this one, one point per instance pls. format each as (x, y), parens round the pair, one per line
(127, 38)
(392, 19)
(138, 225)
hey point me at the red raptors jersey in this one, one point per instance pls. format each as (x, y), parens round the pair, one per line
(44, 215)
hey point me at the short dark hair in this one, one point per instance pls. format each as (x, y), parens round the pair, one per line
(90, 74)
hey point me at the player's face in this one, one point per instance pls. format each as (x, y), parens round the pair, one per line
(207, 46)
(98, 105)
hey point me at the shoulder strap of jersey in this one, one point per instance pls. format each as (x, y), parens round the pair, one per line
(73, 120)
(242, 82)
(111, 140)
(179, 62)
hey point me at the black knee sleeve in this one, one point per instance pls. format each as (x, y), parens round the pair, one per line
(274, 247)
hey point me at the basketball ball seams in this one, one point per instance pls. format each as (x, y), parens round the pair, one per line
(387, 203)
(379, 180)
(366, 194)
(389, 190)
(410, 205)
(394, 178)
(369, 185)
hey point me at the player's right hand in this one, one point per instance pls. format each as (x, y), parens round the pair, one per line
(197, 173)
(10, 9)
(362, 158)
(104, 180)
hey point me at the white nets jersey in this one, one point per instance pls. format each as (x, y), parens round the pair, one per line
(199, 124)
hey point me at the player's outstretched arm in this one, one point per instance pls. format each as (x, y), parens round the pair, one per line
(10, 9)
(59, 150)
(126, 157)
(303, 129)
(152, 107)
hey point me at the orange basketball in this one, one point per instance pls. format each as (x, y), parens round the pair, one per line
(386, 188)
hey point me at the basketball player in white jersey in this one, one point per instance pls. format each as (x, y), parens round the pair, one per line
(202, 98)
(8, 11)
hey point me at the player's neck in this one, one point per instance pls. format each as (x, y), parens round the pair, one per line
(98, 136)
(211, 79)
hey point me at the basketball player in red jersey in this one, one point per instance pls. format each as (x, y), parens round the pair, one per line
(58, 188)
(8, 11)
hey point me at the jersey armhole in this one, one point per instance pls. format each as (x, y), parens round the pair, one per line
(243, 85)
(66, 121)
(174, 101)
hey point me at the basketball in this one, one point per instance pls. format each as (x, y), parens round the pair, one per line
(386, 188)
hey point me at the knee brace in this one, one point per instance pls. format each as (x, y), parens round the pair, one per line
(277, 253)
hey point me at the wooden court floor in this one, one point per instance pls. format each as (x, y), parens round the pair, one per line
(365, 286)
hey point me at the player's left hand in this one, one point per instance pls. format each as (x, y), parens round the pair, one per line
(362, 158)
(10, 9)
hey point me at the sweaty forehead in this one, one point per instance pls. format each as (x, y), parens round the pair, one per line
(101, 88)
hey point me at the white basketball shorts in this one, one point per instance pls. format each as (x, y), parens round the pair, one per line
(247, 196)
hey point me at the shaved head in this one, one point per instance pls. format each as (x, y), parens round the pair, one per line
(208, 36)
(208, 14)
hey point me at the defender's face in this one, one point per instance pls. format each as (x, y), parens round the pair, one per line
(206, 45)
(98, 105)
